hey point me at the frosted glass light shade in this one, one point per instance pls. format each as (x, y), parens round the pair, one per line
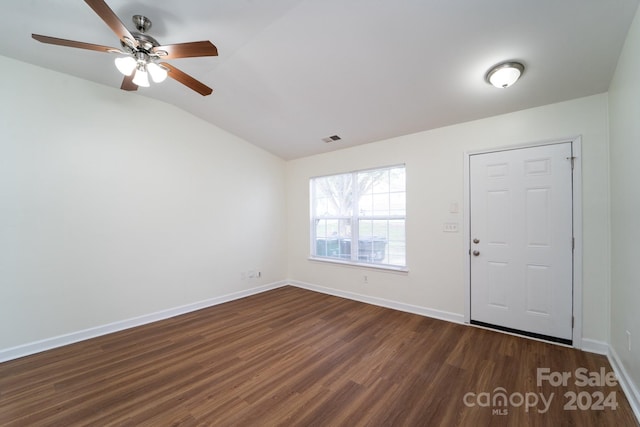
(126, 65)
(141, 78)
(158, 73)
(505, 74)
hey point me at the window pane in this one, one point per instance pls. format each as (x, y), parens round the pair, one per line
(366, 205)
(333, 238)
(333, 195)
(397, 230)
(365, 229)
(380, 182)
(397, 179)
(381, 204)
(396, 254)
(374, 202)
(397, 203)
(365, 182)
(374, 228)
(397, 245)
(372, 241)
(322, 207)
(382, 242)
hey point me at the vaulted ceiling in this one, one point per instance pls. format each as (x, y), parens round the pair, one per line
(292, 72)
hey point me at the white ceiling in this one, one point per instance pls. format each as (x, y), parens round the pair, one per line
(291, 72)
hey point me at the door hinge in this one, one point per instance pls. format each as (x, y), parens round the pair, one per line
(573, 322)
(573, 243)
(572, 158)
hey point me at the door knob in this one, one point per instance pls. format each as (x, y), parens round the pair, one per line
(476, 241)
(476, 253)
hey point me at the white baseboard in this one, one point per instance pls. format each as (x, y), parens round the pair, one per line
(626, 383)
(74, 337)
(409, 308)
(594, 346)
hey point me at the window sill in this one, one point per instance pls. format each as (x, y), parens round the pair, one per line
(360, 264)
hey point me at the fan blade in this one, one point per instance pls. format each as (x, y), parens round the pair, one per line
(187, 80)
(186, 50)
(128, 84)
(111, 19)
(73, 43)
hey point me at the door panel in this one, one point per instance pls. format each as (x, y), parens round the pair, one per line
(521, 216)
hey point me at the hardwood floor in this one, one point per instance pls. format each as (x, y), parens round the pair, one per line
(296, 357)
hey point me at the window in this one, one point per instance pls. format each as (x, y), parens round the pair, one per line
(359, 217)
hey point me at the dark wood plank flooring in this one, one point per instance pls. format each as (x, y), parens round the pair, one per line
(296, 357)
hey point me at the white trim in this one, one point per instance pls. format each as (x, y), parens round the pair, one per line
(354, 219)
(626, 383)
(466, 235)
(595, 346)
(385, 267)
(576, 144)
(518, 146)
(576, 147)
(74, 337)
(397, 165)
(381, 302)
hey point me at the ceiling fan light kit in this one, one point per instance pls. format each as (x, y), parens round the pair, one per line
(142, 66)
(142, 52)
(157, 72)
(126, 65)
(141, 78)
(141, 59)
(505, 74)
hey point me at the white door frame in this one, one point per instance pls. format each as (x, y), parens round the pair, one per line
(576, 145)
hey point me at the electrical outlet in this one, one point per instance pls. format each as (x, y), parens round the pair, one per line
(450, 227)
(365, 279)
(629, 340)
(259, 274)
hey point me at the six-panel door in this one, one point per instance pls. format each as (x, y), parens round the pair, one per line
(521, 239)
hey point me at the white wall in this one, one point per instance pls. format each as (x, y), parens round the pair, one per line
(114, 205)
(434, 161)
(624, 116)
(104, 219)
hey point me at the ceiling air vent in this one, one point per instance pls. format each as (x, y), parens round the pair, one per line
(331, 138)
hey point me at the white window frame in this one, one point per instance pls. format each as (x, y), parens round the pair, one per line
(354, 219)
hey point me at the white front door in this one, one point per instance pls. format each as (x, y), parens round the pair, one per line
(521, 240)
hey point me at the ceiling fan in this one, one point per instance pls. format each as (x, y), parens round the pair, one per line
(142, 53)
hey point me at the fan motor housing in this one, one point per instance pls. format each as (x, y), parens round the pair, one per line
(146, 41)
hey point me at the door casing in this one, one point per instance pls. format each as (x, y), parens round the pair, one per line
(576, 143)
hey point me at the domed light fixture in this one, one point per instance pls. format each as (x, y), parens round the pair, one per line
(505, 74)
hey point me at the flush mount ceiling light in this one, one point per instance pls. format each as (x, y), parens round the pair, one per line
(504, 74)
